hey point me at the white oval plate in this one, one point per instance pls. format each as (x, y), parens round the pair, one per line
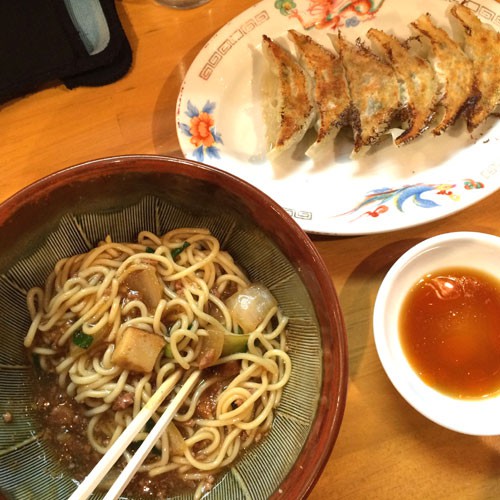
(390, 188)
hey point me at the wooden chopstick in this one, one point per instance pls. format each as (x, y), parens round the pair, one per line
(128, 472)
(116, 450)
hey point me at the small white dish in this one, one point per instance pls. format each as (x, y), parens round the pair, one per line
(473, 250)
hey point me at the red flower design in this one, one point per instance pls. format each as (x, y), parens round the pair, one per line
(200, 130)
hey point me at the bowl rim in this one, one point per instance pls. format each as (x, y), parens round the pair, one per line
(452, 413)
(323, 434)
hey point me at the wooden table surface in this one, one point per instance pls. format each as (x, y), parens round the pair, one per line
(385, 449)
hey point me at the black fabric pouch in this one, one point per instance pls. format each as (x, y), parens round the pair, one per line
(78, 42)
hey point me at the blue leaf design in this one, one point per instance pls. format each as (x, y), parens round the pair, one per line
(384, 190)
(216, 135)
(192, 110)
(185, 129)
(415, 192)
(378, 197)
(209, 107)
(213, 152)
(422, 203)
(198, 154)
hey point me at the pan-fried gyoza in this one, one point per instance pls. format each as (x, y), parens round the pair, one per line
(331, 94)
(482, 45)
(374, 91)
(289, 109)
(416, 76)
(453, 71)
(401, 87)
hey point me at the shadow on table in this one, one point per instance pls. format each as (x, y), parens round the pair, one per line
(358, 295)
(164, 127)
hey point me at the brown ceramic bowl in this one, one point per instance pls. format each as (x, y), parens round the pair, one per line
(78, 206)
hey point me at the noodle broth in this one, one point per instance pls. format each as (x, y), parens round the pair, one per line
(111, 325)
(67, 213)
(65, 429)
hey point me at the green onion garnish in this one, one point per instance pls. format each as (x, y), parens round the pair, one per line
(150, 250)
(82, 339)
(168, 351)
(176, 251)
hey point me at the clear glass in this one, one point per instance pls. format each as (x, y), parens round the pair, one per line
(182, 4)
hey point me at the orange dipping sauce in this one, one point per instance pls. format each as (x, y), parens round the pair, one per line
(449, 327)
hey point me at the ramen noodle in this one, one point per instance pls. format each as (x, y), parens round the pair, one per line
(112, 324)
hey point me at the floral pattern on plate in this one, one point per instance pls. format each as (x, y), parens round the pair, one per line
(398, 196)
(330, 14)
(201, 131)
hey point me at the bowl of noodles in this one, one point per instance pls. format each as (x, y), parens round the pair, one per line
(119, 273)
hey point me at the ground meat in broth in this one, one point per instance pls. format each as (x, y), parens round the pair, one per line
(65, 429)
